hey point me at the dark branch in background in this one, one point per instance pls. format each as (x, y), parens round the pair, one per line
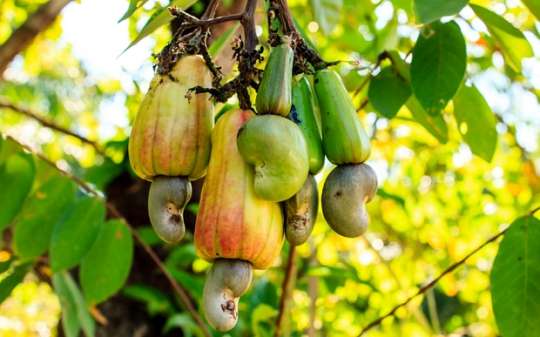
(179, 290)
(286, 289)
(23, 36)
(49, 124)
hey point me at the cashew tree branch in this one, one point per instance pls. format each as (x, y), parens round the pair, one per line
(25, 34)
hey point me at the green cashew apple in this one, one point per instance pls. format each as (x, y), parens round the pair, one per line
(344, 138)
(346, 191)
(274, 94)
(226, 281)
(276, 148)
(301, 212)
(303, 114)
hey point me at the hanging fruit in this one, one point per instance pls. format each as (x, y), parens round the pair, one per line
(170, 142)
(352, 183)
(235, 229)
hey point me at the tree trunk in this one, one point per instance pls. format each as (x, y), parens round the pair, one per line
(23, 36)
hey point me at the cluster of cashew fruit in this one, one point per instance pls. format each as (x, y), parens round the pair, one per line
(259, 168)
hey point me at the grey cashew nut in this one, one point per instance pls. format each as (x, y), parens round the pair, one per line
(226, 281)
(301, 212)
(346, 191)
(166, 202)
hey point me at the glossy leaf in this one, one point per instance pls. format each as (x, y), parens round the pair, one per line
(534, 7)
(438, 65)
(432, 10)
(105, 268)
(14, 277)
(133, 6)
(16, 179)
(476, 122)
(511, 40)
(44, 208)
(515, 280)
(160, 18)
(434, 124)
(75, 315)
(327, 13)
(73, 237)
(388, 92)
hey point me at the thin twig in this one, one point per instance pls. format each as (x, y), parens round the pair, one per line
(49, 124)
(431, 284)
(286, 289)
(179, 290)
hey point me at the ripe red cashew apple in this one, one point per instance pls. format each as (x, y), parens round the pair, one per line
(235, 229)
(170, 142)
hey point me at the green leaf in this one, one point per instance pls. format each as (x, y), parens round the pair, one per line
(436, 124)
(133, 6)
(185, 322)
(388, 92)
(432, 10)
(218, 44)
(515, 280)
(105, 268)
(44, 208)
(156, 301)
(534, 7)
(262, 313)
(161, 17)
(327, 13)
(476, 122)
(511, 40)
(438, 65)
(75, 314)
(73, 237)
(4, 265)
(16, 178)
(15, 276)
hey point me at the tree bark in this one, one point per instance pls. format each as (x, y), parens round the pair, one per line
(23, 36)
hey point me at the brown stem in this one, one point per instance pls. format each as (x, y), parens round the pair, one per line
(286, 289)
(431, 284)
(49, 124)
(179, 290)
(23, 36)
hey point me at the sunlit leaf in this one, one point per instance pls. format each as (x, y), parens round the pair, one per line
(133, 6)
(44, 208)
(476, 122)
(160, 18)
(515, 280)
(388, 92)
(431, 10)
(16, 178)
(75, 315)
(534, 7)
(435, 124)
(438, 65)
(105, 268)
(511, 40)
(73, 237)
(218, 44)
(327, 13)
(15, 276)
